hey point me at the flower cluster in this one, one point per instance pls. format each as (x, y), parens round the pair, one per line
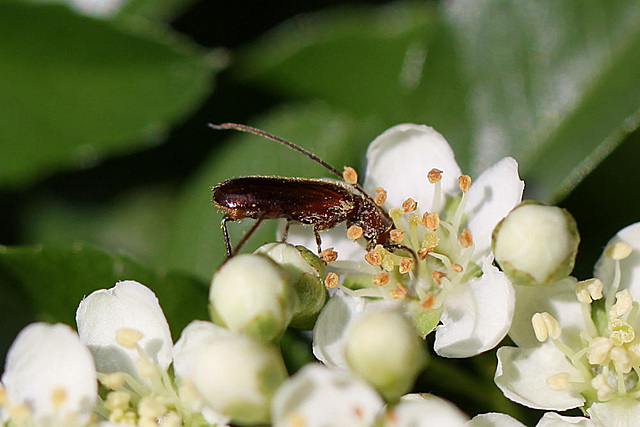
(467, 261)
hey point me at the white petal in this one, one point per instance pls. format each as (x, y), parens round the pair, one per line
(494, 419)
(335, 238)
(329, 333)
(127, 305)
(399, 159)
(616, 413)
(425, 411)
(195, 336)
(522, 376)
(559, 300)
(491, 197)
(629, 267)
(477, 314)
(551, 419)
(50, 358)
(317, 396)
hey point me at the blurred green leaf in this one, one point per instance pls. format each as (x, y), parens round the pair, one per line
(197, 245)
(54, 279)
(156, 10)
(75, 88)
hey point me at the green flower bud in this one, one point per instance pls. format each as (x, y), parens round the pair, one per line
(536, 244)
(237, 376)
(306, 274)
(383, 347)
(251, 294)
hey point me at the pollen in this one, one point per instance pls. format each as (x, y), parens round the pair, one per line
(434, 175)
(431, 220)
(380, 279)
(329, 255)
(350, 175)
(437, 276)
(406, 265)
(354, 232)
(399, 292)
(381, 196)
(465, 238)
(430, 239)
(457, 268)
(58, 396)
(331, 281)
(373, 257)
(423, 252)
(427, 302)
(464, 182)
(618, 251)
(128, 337)
(409, 205)
(396, 235)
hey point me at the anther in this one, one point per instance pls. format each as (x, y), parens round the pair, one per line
(423, 252)
(618, 251)
(621, 360)
(457, 268)
(331, 281)
(409, 205)
(128, 337)
(414, 219)
(388, 263)
(559, 382)
(603, 390)
(380, 279)
(434, 175)
(431, 220)
(354, 232)
(399, 292)
(427, 302)
(430, 239)
(350, 175)
(381, 196)
(117, 400)
(464, 182)
(437, 276)
(396, 235)
(112, 380)
(589, 290)
(465, 238)
(58, 396)
(598, 352)
(623, 304)
(148, 407)
(620, 332)
(545, 326)
(328, 255)
(373, 258)
(145, 367)
(406, 265)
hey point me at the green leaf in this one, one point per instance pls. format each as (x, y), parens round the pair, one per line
(48, 282)
(75, 88)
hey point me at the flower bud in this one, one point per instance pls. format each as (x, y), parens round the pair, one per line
(383, 347)
(237, 376)
(536, 244)
(251, 294)
(306, 274)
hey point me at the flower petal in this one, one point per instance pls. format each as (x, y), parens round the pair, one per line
(425, 410)
(477, 314)
(629, 267)
(491, 197)
(335, 238)
(46, 360)
(494, 419)
(195, 336)
(551, 419)
(557, 299)
(128, 304)
(522, 376)
(617, 412)
(399, 159)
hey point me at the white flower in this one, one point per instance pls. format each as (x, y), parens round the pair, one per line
(578, 345)
(49, 378)
(422, 410)
(450, 231)
(549, 419)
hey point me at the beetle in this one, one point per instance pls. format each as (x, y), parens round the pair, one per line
(320, 203)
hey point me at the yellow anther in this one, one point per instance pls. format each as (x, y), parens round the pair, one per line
(328, 255)
(431, 220)
(331, 281)
(457, 268)
(406, 265)
(58, 396)
(354, 232)
(145, 367)
(128, 337)
(414, 219)
(620, 332)
(603, 390)
(388, 263)
(381, 196)
(545, 326)
(423, 252)
(559, 382)
(117, 400)
(399, 292)
(465, 238)
(396, 235)
(437, 276)
(409, 205)
(373, 257)
(618, 251)
(430, 239)
(380, 279)
(621, 360)
(623, 304)
(464, 182)
(112, 380)
(149, 407)
(350, 175)
(427, 302)
(434, 175)
(598, 352)
(396, 213)
(589, 290)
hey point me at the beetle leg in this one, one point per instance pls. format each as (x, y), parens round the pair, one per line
(247, 235)
(286, 232)
(225, 233)
(318, 240)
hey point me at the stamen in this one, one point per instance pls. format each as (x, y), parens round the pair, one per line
(380, 279)
(396, 235)
(414, 219)
(117, 400)
(399, 292)
(329, 255)
(388, 263)
(145, 367)
(373, 257)
(428, 301)
(618, 251)
(354, 232)
(437, 276)
(171, 419)
(620, 332)
(545, 326)
(465, 238)
(406, 265)
(381, 196)
(457, 268)
(148, 407)
(598, 352)
(113, 380)
(464, 182)
(395, 213)
(623, 305)
(431, 220)
(58, 396)
(409, 205)
(621, 360)
(559, 382)
(434, 175)
(603, 390)
(589, 290)
(423, 252)
(430, 239)
(128, 337)
(331, 281)
(350, 175)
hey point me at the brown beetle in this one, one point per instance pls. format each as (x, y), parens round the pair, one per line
(320, 203)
